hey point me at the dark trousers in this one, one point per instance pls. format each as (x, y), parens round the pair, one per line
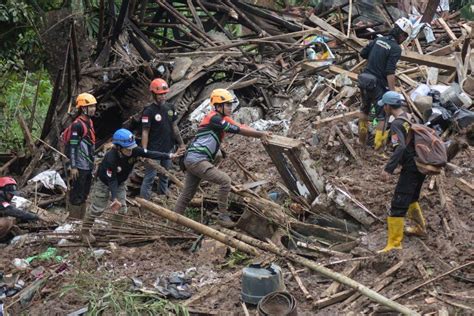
(407, 191)
(369, 101)
(81, 187)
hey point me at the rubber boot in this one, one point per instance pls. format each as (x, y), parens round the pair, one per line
(416, 215)
(380, 138)
(395, 233)
(75, 211)
(86, 229)
(224, 220)
(363, 131)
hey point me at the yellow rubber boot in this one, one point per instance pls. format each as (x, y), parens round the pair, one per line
(380, 138)
(363, 131)
(416, 215)
(395, 233)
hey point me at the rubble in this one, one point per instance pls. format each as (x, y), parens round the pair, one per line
(329, 199)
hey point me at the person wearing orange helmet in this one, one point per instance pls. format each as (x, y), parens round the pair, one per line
(201, 153)
(159, 133)
(80, 151)
(9, 214)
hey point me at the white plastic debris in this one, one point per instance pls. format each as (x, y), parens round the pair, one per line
(422, 90)
(20, 264)
(50, 179)
(263, 125)
(98, 253)
(64, 229)
(21, 203)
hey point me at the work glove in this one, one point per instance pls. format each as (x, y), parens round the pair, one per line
(74, 173)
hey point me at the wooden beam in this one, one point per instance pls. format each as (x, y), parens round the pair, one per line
(336, 298)
(350, 115)
(430, 11)
(465, 186)
(338, 70)
(338, 34)
(447, 29)
(428, 60)
(27, 134)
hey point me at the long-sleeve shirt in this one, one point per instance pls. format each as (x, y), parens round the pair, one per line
(403, 153)
(211, 132)
(6, 209)
(82, 144)
(116, 167)
(382, 56)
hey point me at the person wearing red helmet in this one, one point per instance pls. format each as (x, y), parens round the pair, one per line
(8, 188)
(159, 133)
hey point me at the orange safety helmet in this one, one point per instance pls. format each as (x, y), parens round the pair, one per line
(159, 86)
(219, 96)
(85, 99)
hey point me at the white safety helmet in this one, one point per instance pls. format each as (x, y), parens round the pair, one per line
(405, 25)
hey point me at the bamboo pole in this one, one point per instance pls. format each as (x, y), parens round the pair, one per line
(200, 228)
(247, 244)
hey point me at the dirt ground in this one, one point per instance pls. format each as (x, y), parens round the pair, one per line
(449, 243)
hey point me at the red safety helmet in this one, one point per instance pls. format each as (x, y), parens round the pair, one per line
(159, 86)
(4, 181)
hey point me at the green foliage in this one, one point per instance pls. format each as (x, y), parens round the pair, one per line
(193, 213)
(467, 10)
(11, 103)
(108, 296)
(236, 258)
(19, 38)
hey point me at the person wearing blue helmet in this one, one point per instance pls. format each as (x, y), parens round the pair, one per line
(112, 174)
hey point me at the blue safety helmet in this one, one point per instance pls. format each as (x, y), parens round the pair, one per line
(124, 138)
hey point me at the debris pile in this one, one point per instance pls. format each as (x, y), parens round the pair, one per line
(321, 203)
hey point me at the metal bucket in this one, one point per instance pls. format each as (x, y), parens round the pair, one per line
(277, 304)
(258, 282)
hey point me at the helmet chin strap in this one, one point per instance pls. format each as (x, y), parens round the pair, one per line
(220, 112)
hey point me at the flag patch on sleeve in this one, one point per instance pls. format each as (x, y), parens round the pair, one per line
(144, 119)
(109, 173)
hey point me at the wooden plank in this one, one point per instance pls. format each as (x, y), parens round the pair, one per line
(332, 119)
(429, 60)
(334, 31)
(204, 65)
(349, 271)
(377, 281)
(339, 70)
(336, 298)
(465, 186)
(298, 280)
(448, 30)
(349, 147)
(411, 105)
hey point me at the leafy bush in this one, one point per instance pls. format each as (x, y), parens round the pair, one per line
(12, 103)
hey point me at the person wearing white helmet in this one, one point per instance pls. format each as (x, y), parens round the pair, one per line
(382, 56)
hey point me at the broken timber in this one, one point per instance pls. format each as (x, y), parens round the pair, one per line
(304, 181)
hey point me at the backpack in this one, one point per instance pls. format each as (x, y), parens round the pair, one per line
(65, 136)
(431, 154)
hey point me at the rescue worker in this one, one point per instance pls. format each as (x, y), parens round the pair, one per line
(382, 56)
(159, 133)
(113, 171)
(203, 149)
(80, 151)
(407, 191)
(9, 214)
